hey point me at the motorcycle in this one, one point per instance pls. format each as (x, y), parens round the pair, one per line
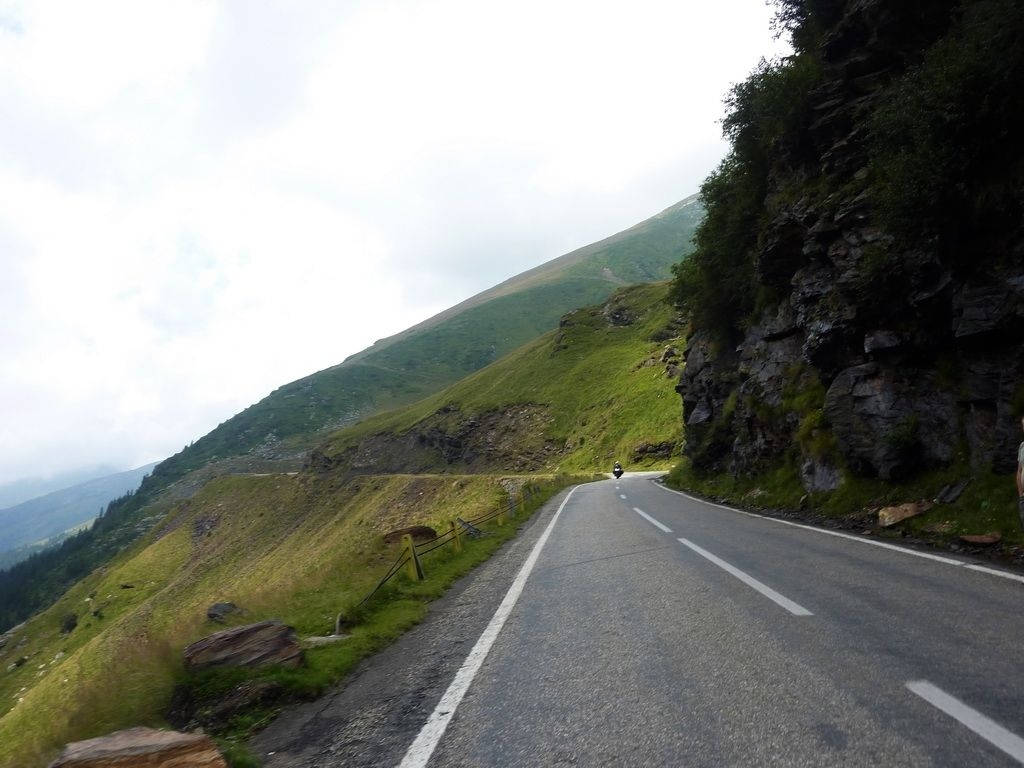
(617, 471)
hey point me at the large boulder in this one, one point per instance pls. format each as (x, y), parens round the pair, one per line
(251, 645)
(142, 748)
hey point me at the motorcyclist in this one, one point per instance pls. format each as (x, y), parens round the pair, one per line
(617, 470)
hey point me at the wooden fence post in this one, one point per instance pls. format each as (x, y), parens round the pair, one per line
(415, 569)
(456, 532)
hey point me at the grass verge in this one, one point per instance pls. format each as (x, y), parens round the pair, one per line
(988, 504)
(395, 608)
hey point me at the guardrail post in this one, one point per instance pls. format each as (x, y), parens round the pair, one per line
(415, 569)
(456, 532)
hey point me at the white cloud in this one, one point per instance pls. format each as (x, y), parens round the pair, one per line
(203, 201)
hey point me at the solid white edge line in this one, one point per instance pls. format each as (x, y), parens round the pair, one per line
(652, 521)
(995, 572)
(988, 729)
(795, 608)
(426, 741)
(827, 532)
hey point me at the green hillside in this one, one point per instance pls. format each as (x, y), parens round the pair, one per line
(443, 349)
(304, 546)
(277, 433)
(298, 548)
(578, 398)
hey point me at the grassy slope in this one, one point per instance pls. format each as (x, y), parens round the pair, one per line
(442, 350)
(296, 547)
(585, 374)
(987, 505)
(302, 547)
(275, 433)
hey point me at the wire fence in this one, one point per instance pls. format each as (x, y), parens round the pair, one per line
(459, 528)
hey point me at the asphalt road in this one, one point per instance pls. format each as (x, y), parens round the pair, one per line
(647, 628)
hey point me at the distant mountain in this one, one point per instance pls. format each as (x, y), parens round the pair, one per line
(441, 350)
(18, 491)
(49, 516)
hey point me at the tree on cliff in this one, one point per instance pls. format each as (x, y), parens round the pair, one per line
(856, 292)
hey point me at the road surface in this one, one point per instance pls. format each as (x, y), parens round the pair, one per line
(630, 625)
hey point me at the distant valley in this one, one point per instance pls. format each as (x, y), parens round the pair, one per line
(33, 525)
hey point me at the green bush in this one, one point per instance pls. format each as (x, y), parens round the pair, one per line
(767, 113)
(946, 166)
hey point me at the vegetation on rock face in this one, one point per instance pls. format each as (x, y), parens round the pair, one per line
(946, 161)
(768, 113)
(856, 293)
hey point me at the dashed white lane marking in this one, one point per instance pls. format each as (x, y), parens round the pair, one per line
(422, 748)
(651, 520)
(750, 581)
(622, 496)
(882, 544)
(989, 730)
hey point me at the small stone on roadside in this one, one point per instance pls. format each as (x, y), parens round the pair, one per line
(984, 539)
(888, 516)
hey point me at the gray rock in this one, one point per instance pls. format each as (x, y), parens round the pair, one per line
(878, 341)
(142, 748)
(987, 308)
(950, 493)
(890, 422)
(251, 645)
(818, 476)
(220, 611)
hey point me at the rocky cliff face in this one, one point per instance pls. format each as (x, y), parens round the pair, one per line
(875, 355)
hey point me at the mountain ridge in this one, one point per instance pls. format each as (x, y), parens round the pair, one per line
(534, 274)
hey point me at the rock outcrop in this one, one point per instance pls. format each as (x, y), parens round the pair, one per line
(251, 645)
(142, 748)
(451, 439)
(866, 352)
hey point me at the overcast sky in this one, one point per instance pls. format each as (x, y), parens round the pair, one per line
(202, 201)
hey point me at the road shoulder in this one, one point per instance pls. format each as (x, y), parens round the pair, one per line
(371, 717)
